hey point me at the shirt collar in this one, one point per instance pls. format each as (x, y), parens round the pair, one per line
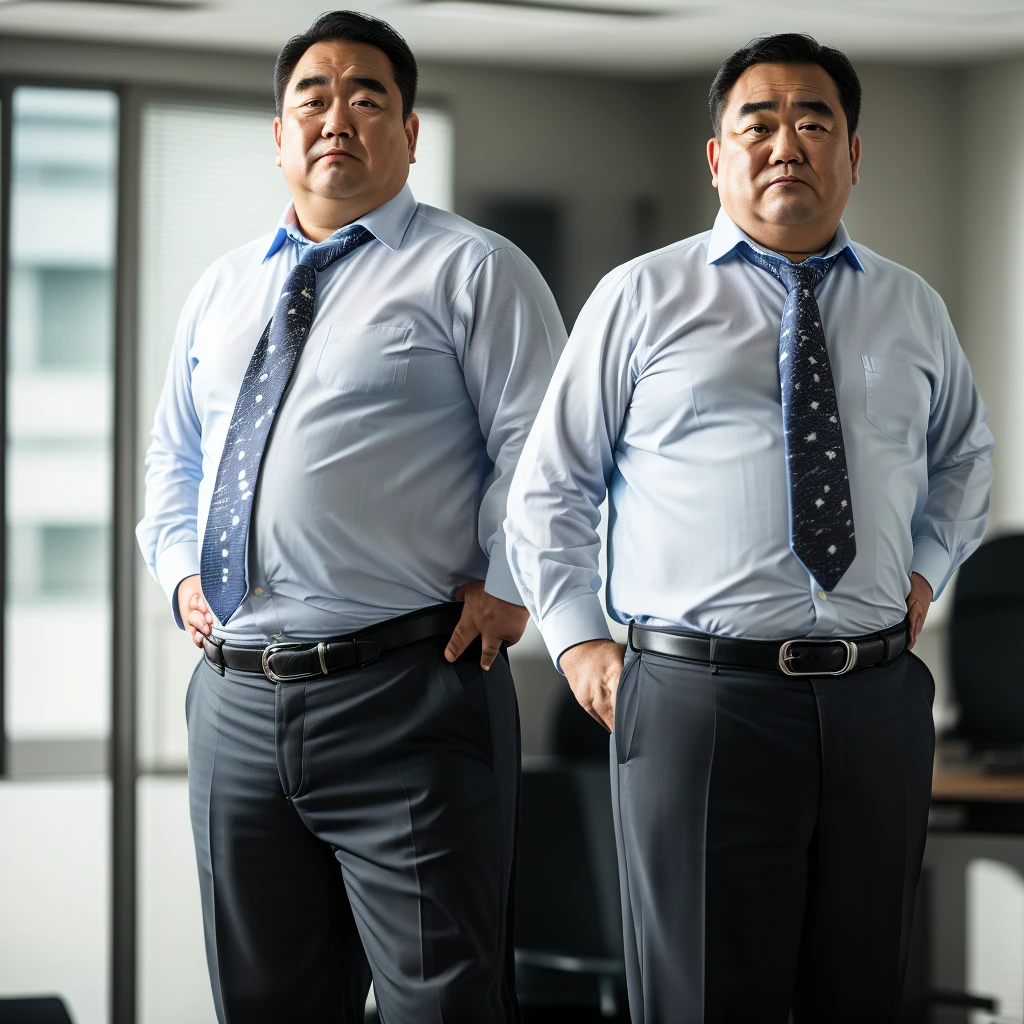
(725, 236)
(388, 223)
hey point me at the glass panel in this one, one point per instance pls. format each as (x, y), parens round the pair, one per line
(55, 856)
(59, 459)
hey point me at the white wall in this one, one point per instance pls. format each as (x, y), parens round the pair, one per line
(988, 154)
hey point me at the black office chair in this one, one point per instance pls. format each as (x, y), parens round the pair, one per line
(41, 1010)
(575, 734)
(985, 631)
(569, 961)
(568, 919)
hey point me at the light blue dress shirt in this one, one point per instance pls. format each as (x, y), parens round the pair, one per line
(384, 485)
(668, 398)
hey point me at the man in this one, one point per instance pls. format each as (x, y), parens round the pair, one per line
(797, 460)
(353, 733)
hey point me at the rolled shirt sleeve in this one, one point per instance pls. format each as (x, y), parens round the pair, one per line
(952, 523)
(565, 467)
(508, 335)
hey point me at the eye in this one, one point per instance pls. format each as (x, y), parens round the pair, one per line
(758, 129)
(313, 103)
(812, 128)
(366, 103)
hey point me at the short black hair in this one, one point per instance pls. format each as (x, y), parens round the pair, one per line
(787, 48)
(353, 27)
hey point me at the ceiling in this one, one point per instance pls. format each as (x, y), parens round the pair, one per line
(611, 36)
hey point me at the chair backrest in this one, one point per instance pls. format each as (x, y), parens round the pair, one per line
(574, 733)
(986, 632)
(41, 1010)
(568, 899)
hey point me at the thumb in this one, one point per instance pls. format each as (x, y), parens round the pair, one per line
(465, 633)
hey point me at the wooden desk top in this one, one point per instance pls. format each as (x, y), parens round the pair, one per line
(969, 783)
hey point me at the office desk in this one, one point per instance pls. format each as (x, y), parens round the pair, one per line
(966, 799)
(974, 816)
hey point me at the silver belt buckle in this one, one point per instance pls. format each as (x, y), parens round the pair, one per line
(785, 657)
(272, 649)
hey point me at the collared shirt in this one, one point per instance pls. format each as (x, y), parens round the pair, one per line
(668, 396)
(383, 487)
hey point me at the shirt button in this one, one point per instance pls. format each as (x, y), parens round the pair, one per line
(821, 594)
(258, 591)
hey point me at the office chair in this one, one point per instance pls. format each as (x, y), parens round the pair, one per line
(40, 1010)
(985, 631)
(569, 960)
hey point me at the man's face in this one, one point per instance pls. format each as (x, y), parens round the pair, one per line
(785, 162)
(340, 135)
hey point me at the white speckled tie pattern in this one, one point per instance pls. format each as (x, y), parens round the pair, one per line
(821, 530)
(222, 561)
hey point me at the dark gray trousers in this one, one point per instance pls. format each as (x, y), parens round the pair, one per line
(770, 836)
(363, 823)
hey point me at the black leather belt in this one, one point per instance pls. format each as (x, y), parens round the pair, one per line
(297, 661)
(801, 657)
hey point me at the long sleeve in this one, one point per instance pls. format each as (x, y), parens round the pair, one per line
(951, 524)
(563, 474)
(508, 335)
(168, 533)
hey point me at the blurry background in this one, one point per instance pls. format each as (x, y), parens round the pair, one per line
(136, 147)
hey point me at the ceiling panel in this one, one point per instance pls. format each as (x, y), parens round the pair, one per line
(664, 36)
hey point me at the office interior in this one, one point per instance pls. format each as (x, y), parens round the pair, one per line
(135, 147)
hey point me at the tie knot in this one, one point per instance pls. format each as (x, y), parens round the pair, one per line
(342, 242)
(793, 275)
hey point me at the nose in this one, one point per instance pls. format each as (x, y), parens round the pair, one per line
(787, 148)
(336, 123)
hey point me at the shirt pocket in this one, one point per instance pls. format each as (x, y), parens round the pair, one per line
(365, 359)
(894, 397)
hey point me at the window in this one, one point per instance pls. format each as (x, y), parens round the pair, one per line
(60, 331)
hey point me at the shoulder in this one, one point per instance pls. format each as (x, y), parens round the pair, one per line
(456, 239)
(655, 271)
(898, 282)
(236, 266)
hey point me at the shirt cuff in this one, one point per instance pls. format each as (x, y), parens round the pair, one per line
(931, 560)
(499, 582)
(174, 564)
(574, 622)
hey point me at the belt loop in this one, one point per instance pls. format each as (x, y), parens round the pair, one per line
(712, 649)
(885, 647)
(211, 649)
(629, 637)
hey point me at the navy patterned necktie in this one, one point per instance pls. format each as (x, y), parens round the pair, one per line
(222, 562)
(820, 508)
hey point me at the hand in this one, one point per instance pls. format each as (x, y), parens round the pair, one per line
(593, 670)
(195, 612)
(918, 602)
(489, 618)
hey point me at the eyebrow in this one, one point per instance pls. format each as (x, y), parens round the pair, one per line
(814, 106)
(312, 81)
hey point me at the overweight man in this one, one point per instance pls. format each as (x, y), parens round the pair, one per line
(797, 460)
(346, 402)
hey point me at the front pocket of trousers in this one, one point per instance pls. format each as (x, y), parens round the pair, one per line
(191, 687)
(627, 709)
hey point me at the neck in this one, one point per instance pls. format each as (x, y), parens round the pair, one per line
(320, 217)
(796, 244)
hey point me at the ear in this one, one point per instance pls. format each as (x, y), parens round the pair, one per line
(855, 158)
(714, 152)
(412, 134)
(277, 138)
